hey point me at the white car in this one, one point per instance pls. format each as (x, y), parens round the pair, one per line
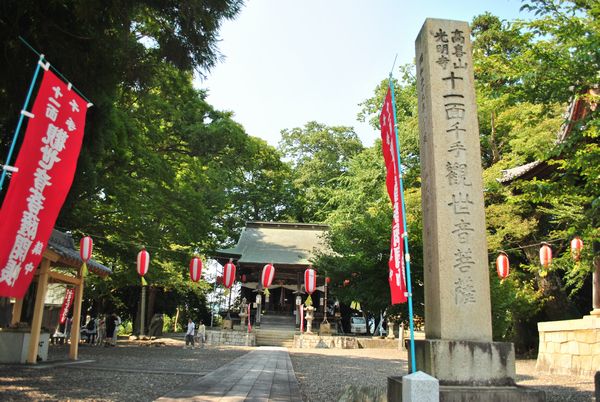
(358, 325)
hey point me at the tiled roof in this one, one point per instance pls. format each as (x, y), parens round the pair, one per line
(278, 243)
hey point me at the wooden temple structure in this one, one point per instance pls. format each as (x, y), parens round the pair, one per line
(290, 247)
(61, 264)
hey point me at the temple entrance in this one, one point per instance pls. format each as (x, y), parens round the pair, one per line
(291, 248)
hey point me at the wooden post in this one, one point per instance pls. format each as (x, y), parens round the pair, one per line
(38, 312)
(143, 313)
(16, 312)
(76, 324)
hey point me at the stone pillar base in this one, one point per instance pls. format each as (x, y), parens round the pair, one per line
(467, 363)
(461, 393)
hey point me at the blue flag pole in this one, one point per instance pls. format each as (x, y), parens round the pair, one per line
(21, 118)
(405, 236)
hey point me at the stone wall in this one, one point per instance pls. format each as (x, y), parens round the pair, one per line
(230, 338)
(570, 346)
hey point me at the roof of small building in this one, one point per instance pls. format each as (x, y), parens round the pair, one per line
(576, 111)
(280, 243)
(63, 244)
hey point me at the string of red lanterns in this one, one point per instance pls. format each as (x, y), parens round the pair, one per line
(502, 263)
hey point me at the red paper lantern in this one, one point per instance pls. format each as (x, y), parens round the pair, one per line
(228, 274)
(310, 280)
(268, 273)
(502, 266)
(576, 247)
(327, 280)
(545, 255)
(195, 269)
(346, 282)
(243, 278)
(143, 260)
(86, 244)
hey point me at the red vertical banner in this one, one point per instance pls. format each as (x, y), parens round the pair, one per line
(46, 167)
(248, 315)
(66, 306)
(396, 278)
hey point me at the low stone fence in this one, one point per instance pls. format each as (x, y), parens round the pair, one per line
(570, 346)
(230, 338)
(315, 341)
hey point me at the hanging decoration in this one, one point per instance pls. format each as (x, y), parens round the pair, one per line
(66, 306)
(86, 245)
(576, 247)
(310, 280)
(502, 265)
(195, 269)
(228, 274)
(41, 178)
(346, 282)
(310, 284)
(545, 255)
(268, 274)
(143, 261)
(327, 280)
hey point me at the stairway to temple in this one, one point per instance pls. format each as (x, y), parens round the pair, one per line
(276, 330)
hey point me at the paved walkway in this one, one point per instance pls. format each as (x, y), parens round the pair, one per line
(265, 374)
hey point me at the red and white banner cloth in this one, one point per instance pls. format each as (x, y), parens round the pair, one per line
(66, 306)
(397, 274)
(46, 166)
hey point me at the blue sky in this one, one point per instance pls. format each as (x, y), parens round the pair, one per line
(288, 62)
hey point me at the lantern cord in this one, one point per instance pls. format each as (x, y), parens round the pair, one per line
(407, 260)
(56, 71)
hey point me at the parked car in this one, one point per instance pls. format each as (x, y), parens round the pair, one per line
(358, 325)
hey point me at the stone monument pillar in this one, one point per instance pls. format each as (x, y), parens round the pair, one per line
(458, 349)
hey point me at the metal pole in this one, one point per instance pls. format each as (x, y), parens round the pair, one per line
(229, 306)
(325, 305)
(406, 253)
(143, 317)
(21, 117)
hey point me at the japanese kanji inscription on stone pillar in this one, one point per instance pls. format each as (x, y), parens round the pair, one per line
(457, 291)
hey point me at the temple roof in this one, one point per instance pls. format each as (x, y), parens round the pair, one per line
(576, 111)
(279, 243)
(63, 245)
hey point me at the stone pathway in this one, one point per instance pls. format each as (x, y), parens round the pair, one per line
(263, 375)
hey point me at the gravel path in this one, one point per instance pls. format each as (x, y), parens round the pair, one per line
(324, 374)
(127, 372)
(130, 372)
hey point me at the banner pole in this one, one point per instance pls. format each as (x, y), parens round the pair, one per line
(405, 235)
(21, 118)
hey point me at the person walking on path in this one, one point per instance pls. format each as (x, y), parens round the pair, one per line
(189, 335)
(111, 326)
(201, 335)
(115, 333)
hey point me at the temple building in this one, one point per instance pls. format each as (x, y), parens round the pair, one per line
(291, 248)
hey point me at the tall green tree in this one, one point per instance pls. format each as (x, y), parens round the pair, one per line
(318, 155)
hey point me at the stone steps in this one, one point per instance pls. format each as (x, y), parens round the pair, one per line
(274, 338)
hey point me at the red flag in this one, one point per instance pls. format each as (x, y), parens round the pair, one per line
(64, 310)
(248, 315)
(396, 278)
(46, 163)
